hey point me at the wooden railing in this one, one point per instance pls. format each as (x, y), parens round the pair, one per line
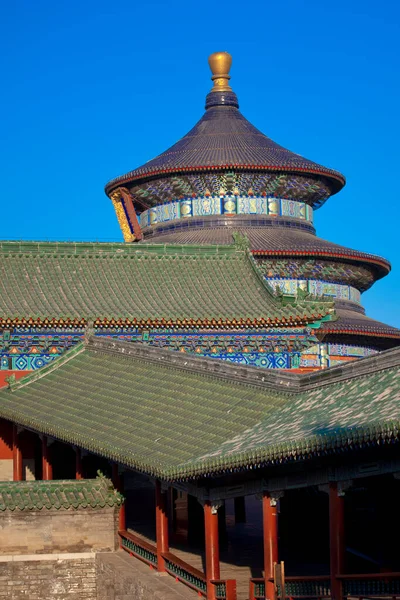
(371, 585)
(184, 572)
(313, 586)
(225, 589)
(178, 568)
(138, 547)
(355, 587)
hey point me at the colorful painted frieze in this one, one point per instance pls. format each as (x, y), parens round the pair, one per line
(225, 204)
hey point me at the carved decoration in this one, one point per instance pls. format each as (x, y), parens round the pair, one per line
(116, 199)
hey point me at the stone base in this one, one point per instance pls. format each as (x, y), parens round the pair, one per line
(120, 576)
(50, 576)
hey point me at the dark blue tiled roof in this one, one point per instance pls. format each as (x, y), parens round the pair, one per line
(265, 240)
(224, 138)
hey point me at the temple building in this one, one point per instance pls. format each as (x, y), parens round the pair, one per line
(213, 224)
(225, 176)
(272, 472)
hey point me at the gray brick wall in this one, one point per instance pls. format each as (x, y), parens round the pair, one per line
(53, 531)
(50, 578)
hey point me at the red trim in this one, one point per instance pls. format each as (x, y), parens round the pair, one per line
(6, 439)
(361, 257)
(211, 548)
(5, 374)
(270, 535)
(394, 336)
(161, 526)
(78, 464)
(118, 483)
(47, 467)
(17, 456)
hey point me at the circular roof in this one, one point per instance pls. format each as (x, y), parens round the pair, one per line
(350, 322)
(273, 242)
(224, 139)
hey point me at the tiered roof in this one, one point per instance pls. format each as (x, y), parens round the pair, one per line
(224, 141)
(125, 285)
(277, 241)
(353, 323)
(106, 397)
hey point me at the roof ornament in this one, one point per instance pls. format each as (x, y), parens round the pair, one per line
(241, 241)
(89, 332)
(221, 94)
(220, 64)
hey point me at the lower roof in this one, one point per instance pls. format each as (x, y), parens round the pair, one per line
(156, 285)
(351, 322)
(62, 494)
(180, 417)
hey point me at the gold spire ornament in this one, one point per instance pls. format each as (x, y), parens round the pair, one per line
(220, 64)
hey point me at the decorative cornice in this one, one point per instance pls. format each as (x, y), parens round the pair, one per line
(354, 256)
(144, 176)
(147, 324)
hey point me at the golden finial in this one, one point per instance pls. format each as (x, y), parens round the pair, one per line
(220, 63)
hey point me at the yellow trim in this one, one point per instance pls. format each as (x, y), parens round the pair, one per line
(121, 216)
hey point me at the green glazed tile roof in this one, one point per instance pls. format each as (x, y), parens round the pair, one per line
(36, 495)
(179, 417)
(123, 281)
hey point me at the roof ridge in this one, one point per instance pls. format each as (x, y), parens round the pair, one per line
(120, 248)
(49, 368)
(246, 374)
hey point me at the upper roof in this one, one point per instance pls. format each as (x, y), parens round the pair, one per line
(142, 284)
(225, 140)
(106, 398)
(36, 495)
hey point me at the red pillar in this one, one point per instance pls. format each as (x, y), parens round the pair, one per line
(118, 484)
(78, 464)
(161, 526)
(17, 456)
(47, 466)
(336, 537)
(212, 547)
(270, 528)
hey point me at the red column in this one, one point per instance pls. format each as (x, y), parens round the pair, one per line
(336, 537)
(17, 456)
(270, 527)
(78, 464)
(212, 547)
(161, 526)
(47, 467)
(118, 484)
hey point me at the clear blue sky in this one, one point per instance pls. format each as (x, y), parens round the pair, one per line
(92, 89)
